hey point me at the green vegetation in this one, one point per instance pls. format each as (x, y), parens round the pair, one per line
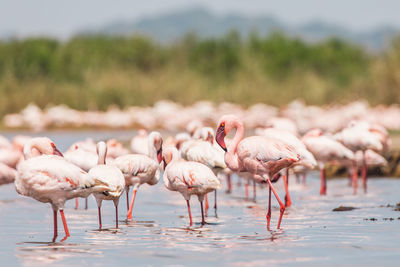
(98, 71)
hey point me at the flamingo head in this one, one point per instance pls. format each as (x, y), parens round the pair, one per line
(220, 136)
(225, 125)
(157, 140)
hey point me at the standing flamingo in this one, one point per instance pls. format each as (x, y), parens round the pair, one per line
(51, 178)
(258, 155)
(139, 143)
(139, 169)
(82, 155)
(357, 137)
(325, 150)
(110, 178)
(188, 178)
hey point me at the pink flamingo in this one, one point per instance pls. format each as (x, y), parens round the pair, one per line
(51, 178)
(188, 178)
(139, 169)
(325, 150)
(258, 155)
(306, 158)
(358, 137)
(111, 180)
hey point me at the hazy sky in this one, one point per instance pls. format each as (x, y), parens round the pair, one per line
(63, 18)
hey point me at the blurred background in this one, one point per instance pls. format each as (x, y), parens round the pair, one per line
(96, 53)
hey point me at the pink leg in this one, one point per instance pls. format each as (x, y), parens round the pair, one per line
(229, 183)
(190, 213)
(288, 201)
(254, 190)
(65, 225)
(55, 225)
(282, 209)
(99, 210)
(364, 173)
(203, 222)
(269, 208)
(76, 203)
(355, 177)
(246, 189)
(206, 205)
(86, 203)
(304, 178)
(322, 191)
(131, 206)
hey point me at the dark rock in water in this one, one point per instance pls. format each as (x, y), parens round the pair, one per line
(388, 219)
(373, 219)
(343, 208)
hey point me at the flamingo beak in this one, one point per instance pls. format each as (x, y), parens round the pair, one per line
(219, 137)
(164, 163)
(56, 151)
(159, 155)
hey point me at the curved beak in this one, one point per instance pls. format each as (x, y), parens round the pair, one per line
(164, 163)
(159, 155)
(219, 137)
(57, 152)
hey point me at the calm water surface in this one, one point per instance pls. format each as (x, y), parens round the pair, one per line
(312, 234)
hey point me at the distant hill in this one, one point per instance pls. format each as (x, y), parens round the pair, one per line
(171, 26)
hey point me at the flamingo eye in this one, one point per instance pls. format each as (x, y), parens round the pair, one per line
(222, 125)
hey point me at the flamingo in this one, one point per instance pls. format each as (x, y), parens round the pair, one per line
(325, 150)
(358, 137)
(258, 155)
(110, 178)
(204, 151)
(139, 169)
(188, 178)
(51, 179)
(306, 158)
(139, 143)
(82, 155)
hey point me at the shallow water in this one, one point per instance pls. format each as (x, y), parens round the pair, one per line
(311, 234)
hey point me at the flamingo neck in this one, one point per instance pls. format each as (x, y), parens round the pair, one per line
(151, 147)
(101, 153)
(231, 157)
(30, 148)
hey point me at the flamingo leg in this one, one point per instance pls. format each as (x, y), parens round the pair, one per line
(65, 225)
(254, 191)
(190, 213)
(99, 211)
(86, 203)
(269, 208)
(364, 173)
(203, 222)
(215, 202)
(304, 178)
(322, 191)
(355, 177)
(288, 201)
(246, 188)
(76, 203)
(282, 209)
(229, 183)
(55, 225)
(116, 216)
(206, 205)
(131, 205)
(127, 197)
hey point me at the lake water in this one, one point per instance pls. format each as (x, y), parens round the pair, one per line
(312, 234)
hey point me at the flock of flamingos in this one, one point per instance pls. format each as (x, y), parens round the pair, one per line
(257, 145)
